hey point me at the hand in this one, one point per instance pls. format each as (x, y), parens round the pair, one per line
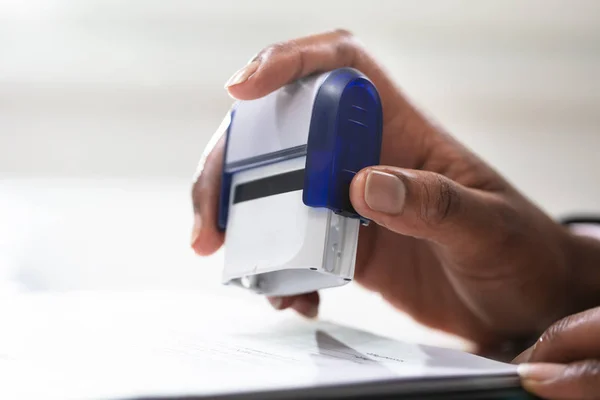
(565, 361)
(452, 243)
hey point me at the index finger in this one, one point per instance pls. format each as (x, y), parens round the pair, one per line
(206, 237)
(285, 62)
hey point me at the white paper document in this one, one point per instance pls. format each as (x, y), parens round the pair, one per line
(150, 345)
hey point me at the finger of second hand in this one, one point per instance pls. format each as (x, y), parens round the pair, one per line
(306, 307)
(305, 304)
(571, 339)
(281, 302)
(206, 238)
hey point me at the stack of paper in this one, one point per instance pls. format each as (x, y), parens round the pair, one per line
(148, 345)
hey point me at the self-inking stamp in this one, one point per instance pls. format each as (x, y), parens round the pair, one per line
(289, 160)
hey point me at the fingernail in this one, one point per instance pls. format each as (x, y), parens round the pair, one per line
(276, 302)
(540, 372)
(243, 74)
(384, 192)
(196, 229)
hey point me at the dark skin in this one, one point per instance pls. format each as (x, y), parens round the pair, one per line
(452, 243)
(565, 362)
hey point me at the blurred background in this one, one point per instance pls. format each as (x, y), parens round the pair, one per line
(105, 107)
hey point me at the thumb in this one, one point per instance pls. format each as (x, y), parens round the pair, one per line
(423, 204)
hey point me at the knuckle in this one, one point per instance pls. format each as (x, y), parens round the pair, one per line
(346, 47)
(344, 44)
(344, 33)
(279, 48)
(448, 199)
(286, 50)
(423, 213)
(345, 52)
(554, 333)
(440, 203)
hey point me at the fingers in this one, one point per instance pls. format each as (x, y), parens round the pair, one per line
(305, 304)
(206, 237)
(285, 62)
(272, 68)
(571, 339)
(580, 380)
(424, 205)
(546, 372)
